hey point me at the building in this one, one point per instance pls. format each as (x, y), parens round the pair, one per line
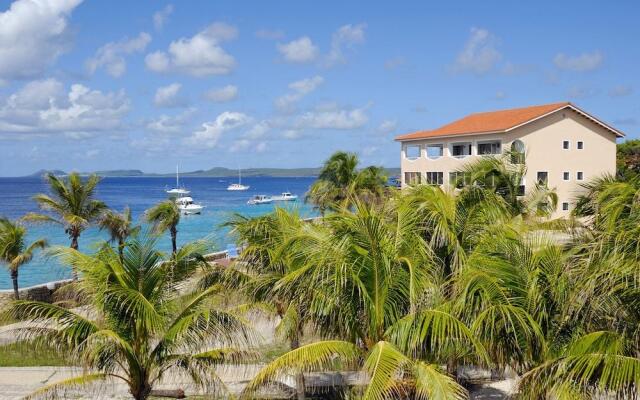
(563, 146)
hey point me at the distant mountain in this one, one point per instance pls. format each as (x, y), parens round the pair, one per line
(216, 172)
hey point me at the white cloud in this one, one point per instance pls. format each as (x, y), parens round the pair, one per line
(620, 91)
(169, 96)
(171, 124)
(199, 56)
(479, 54)
(369, 150)
(33, 34)
(344, 38)
(44, 106)
(258, 130)
(223, 94)
(111, 55)
(247, 145)
(581, 63)
(301, 50)
(299, 89)
(270, 34)
(500, 95)
(333, 118)
(387, 126)
(581, 92)
(394, 63)
(210, 133)
(160, 17)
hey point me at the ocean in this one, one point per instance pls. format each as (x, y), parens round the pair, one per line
(140, 193)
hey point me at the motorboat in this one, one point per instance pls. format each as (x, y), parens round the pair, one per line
(260, 199)
(238, 186)
(181, 197)
(285, 196)
(187, 206)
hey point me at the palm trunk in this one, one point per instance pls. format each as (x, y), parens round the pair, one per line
(300, 385)
(74, 245)
(14, 279)
(121, 249)
(174, 235)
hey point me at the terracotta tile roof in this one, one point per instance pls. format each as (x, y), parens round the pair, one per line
(493, 121)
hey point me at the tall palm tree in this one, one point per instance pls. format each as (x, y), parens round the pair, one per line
(72, 203)
(119, 226)
(146, 323)
(339, 183)
(14, 251)
(165, 216)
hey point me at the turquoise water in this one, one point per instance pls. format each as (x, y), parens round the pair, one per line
(139, 194)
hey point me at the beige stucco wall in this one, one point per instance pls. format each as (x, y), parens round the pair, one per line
(543, 140)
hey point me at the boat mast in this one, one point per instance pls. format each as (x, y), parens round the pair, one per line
(177, 185)
(239, 176)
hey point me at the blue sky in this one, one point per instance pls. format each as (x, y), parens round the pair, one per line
(89, 85)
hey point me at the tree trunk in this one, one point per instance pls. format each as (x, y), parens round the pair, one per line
(174, 235)
(142, 392)
(121, 249)
(300, 385)
(14, 279)
(171, 393)
(74, 245)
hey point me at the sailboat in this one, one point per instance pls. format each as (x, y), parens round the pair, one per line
(182, 200)
(239, 185)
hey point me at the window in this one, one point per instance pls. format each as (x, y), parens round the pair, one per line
(565, 144)
(565, 206)
(580, 145)
(412, 152)
(461, 149)
(542, 177)
(412, 178)
(565, 176)
(459, 179)
(489, 148)
(434, 178)
(522, 187)
(580, 175)
(517, 152)
(434, 150)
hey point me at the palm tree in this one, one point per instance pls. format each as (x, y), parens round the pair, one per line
(339, 183)
(13, 249)
(372, 287)
(146, 322)
(165, 216)
(73, 204)
(119, 226)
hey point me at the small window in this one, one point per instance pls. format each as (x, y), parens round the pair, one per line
(412, 178)
(461, 149)
(434, 178)
(565, 144)
(487, 148)
(522, 187)
(565, 176)
(517, 152)
(565, 206)
(542, 177)
(459, 179)
(412, 152)
(434, 151)
(580, 175)
(580, 145)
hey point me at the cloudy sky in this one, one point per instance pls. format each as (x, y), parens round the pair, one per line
(91, 85)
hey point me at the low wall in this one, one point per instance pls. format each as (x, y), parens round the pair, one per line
(42, 292)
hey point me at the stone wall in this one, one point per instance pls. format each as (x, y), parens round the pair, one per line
(43, 292)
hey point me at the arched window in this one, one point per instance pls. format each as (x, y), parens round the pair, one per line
(517, 152)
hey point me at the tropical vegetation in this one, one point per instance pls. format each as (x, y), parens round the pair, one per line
(165, 216)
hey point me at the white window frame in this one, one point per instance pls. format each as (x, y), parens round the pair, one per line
(426, 150)
(568, 144)
(563, 204)
(538, 180)
(441, 176)
(470, 144)
(579, 175)
(419, 175)
(567, 174)
(578, 145)
(478, 143)
(406, 155)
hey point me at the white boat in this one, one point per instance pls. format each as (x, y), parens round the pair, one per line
(239, 185)
(285, 196)
(260, 199)
(183, 201)
(187, 206)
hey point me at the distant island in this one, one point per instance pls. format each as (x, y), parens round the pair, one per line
(216, 172)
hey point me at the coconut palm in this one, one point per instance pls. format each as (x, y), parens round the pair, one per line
(165, 216)
(72, 203)
(339, 183)
(369, 280)
(146, 324)
(14, 251)
(119, 226)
